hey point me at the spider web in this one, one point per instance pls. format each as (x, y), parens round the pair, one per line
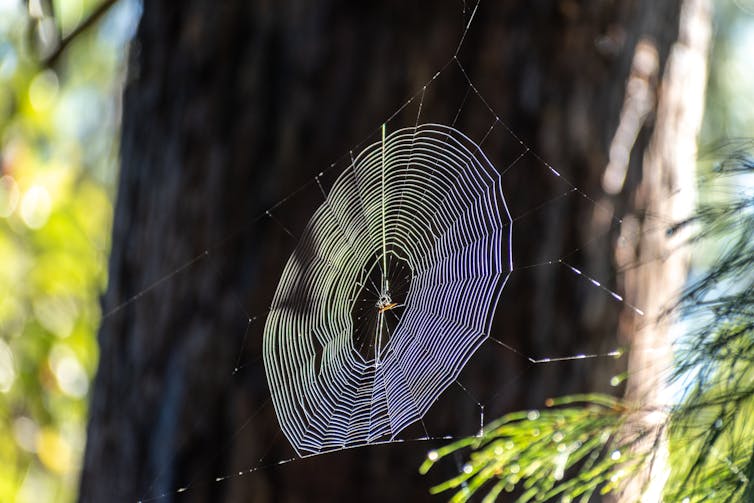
(327, 392)
(393, 283)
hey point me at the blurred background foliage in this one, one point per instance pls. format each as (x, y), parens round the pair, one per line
(729, 112)
(60, 88)
(59, 123)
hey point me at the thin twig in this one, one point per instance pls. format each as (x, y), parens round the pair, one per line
(98, 12)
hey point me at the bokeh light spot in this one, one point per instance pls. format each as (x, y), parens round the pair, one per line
(25, 432)
(69, 13)
(9, 196)
(69, 373)
(43, 90)
(57, 314)
(54, 451)
(8, 61)
(36, 206)
(7, 369)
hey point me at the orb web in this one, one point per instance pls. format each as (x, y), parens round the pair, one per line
(390, 290)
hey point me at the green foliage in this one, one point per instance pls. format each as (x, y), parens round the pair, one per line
(58, 131)
(712, 432)
(576, 447)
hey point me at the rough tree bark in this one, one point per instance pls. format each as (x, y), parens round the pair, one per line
(230, 106)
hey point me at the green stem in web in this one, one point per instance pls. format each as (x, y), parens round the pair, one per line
(378, 339)
(384, 285)
(384, 242)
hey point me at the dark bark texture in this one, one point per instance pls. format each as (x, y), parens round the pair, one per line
(229, 107)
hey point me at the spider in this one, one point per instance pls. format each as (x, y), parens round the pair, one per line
(388, 307)
(385, 303)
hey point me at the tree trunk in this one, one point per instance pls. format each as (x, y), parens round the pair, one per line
(657, 265)
(230, 107)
